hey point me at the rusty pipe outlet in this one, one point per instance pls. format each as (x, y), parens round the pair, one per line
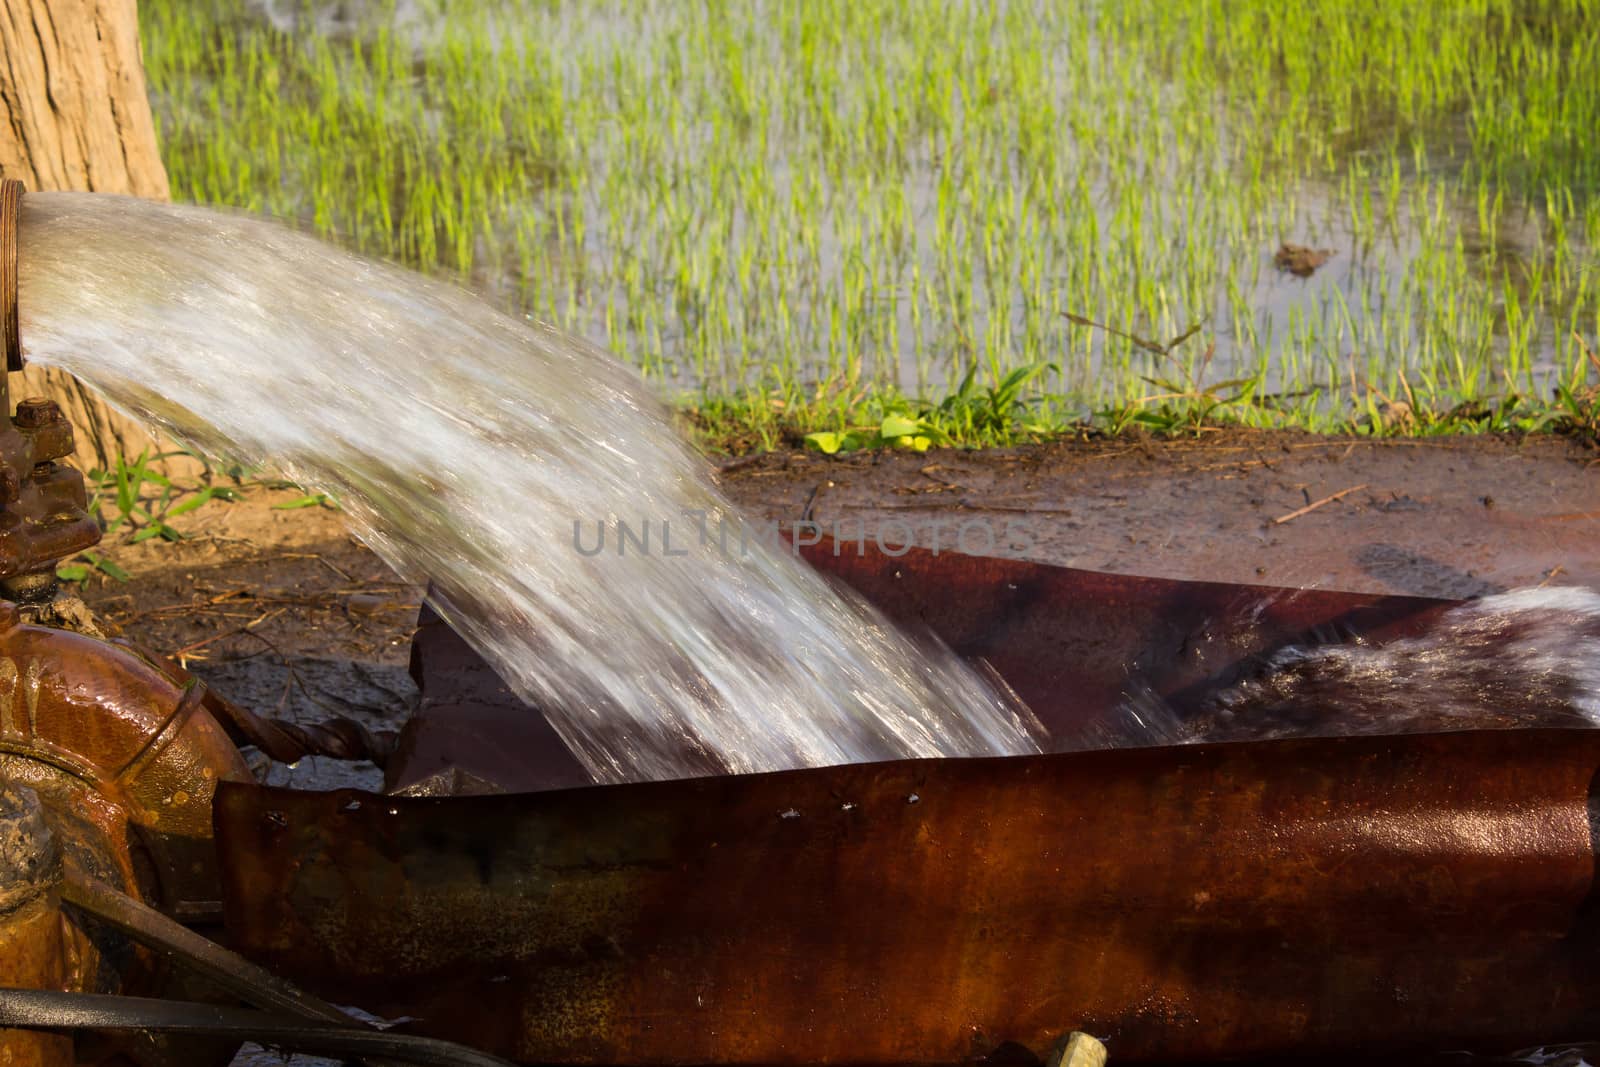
(43, 503)
(10, 214)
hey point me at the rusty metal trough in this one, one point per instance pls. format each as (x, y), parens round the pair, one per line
(1306, 899)
(1364, 897)
(1071, 643)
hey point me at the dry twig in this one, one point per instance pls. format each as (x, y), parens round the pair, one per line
(1315, 504)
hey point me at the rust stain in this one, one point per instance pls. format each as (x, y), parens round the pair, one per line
(8, 697)
(118, 749)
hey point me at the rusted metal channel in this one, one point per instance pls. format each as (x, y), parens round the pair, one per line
(1072, 644)
(1320, 898)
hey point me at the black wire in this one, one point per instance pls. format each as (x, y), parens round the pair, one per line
(40, 1009)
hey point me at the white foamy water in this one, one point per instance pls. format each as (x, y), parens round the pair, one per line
(493, 456)
(1530, 657)
(1521, 659)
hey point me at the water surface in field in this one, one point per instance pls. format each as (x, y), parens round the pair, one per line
(841, 193)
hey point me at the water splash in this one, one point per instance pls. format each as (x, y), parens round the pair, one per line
(492, 456)
(1526, 658)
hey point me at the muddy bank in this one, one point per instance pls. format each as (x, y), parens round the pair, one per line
(1451, 517)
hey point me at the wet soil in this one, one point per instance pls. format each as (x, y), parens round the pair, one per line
(285, 612)
(1449, 517)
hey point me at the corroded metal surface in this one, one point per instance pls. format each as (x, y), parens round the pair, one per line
(1326, 898)
(124, 761)
(470, 732)
(42, 502)
(124, 758)
(1071, 643)
(42, 516)
(32, 945)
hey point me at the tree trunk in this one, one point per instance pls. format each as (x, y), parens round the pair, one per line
(74, 116)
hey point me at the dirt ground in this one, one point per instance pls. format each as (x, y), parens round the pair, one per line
(285, 612)
(282, 611)
(1450, 517)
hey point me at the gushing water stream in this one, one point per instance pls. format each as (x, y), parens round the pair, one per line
(492, 456)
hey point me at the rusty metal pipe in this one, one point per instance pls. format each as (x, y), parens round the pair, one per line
(1326, 898)
(10, 215)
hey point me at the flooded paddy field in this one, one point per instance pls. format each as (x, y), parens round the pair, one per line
(830, 206)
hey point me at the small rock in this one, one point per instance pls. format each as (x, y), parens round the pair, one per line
(64, 611)
(368, 603)
(1078, 1049)
(1397, 414)
(1300, 260)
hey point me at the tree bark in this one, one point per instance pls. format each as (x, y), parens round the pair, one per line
(74, 115)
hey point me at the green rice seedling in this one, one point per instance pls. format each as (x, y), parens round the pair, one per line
(749, 201)
(136, 502)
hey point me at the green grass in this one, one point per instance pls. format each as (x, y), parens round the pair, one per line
(803, 218)
(885, 417)
(136, 501)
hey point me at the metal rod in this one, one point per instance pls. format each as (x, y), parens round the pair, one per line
(228, 970)
(10, 213)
